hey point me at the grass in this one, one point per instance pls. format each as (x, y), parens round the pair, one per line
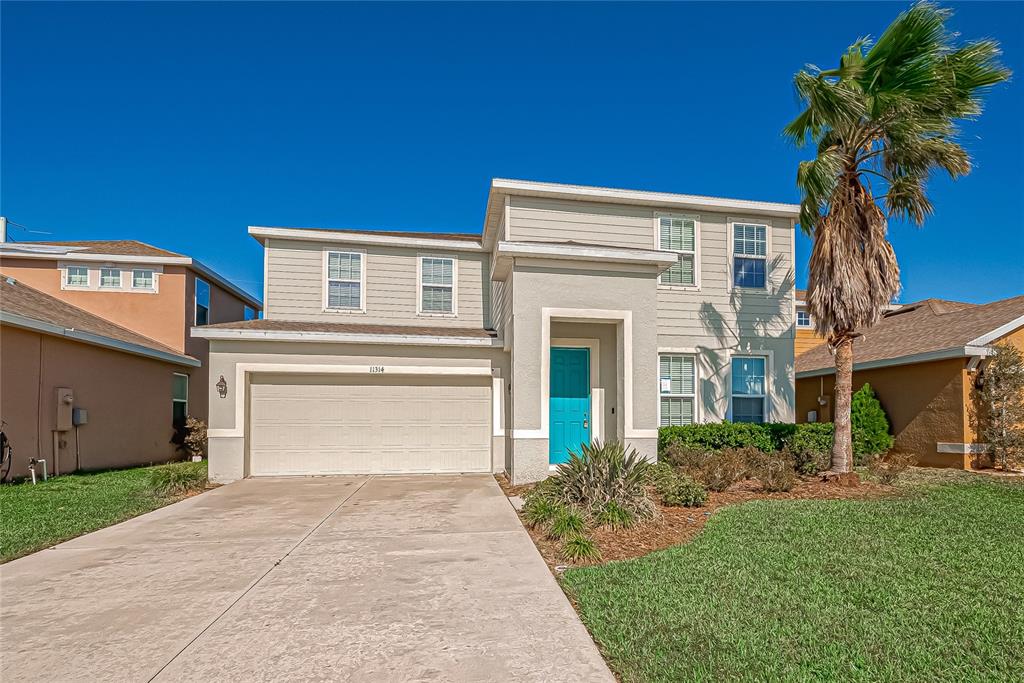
(39, 516)
(927, 587)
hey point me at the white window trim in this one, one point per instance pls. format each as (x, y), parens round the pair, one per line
(769, 364)
(809, 324)
(195, 302)
(695, 287)
(731, 251)
(187, 390)
(419, 286)
(325, 282)
(148, 290)
(696, 381)
(120, 277)
(64, 281)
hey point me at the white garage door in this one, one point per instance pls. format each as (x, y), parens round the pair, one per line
(375, 425)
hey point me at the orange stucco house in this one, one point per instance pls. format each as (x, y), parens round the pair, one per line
(125, 291)
(923, 361)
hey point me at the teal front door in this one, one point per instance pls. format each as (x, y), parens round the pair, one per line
(570, 403)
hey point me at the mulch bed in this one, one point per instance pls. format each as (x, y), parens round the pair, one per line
(676, 525)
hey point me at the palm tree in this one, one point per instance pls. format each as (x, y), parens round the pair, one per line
(882, 122)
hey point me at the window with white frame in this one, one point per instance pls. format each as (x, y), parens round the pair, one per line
(142, 279)
(179, 399)
(750, 255)
(677, 378)
(679, 234)
(345, 280)
(202, 302)
(76, 276)
(748, 389)
(249, 313)
(803, 318)
(110, 277)
(437, 284)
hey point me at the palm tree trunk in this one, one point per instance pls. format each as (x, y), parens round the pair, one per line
(842, 443)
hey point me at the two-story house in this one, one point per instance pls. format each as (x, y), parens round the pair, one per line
(576, 314)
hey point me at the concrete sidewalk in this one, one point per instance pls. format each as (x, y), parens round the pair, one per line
(331, 578)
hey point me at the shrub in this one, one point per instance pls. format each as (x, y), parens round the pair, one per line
(889, 468)
(677, 489)
(195, 437)
(567, 523)
(614, 515)
(177, 479)
(998, 413)
(603, 473)
(810, 446)
(580, 549)
(689, 459)
(869, 424)
(539, 509)
(716, 436)
(775, 471)
(722, 470)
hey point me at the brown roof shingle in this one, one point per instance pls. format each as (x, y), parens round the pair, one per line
(926, 326)
(20, 299)
(354, 328)
(113, 247)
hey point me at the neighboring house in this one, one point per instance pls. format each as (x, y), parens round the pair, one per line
(806, 338)
(577, 314)
(922, 360)
(82, 392)
(154, 292)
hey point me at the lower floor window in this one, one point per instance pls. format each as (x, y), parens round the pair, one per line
(748, 388)
(677, 390)
(179, 400)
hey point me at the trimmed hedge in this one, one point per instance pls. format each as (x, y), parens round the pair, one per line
(811, 437)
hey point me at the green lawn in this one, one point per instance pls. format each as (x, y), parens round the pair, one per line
(33, 517)
(929, 587)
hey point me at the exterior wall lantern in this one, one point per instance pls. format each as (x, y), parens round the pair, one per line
(222, 387)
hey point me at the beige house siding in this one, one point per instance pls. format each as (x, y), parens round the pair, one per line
(295, 285)
(534, 219)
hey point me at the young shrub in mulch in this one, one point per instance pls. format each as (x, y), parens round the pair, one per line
(178, 479)
(725, 468)
(603, 473)
(869, 425)
(775, 471)
(810, 444)
(580, 549)
(887, 469)
(688, 459)
(566, 524)
(615, 516)
(677, 489)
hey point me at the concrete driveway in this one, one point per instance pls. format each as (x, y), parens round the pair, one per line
(332, 578)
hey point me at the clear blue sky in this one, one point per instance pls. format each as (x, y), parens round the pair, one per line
(181, 124)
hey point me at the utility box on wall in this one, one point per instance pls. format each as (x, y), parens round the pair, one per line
(65, 400)
(79, 417)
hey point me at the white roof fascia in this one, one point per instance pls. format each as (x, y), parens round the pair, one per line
(667, 199)
(507, 251)
(968, 351)
(1000, 331)
(341, 337)
(27, 323)
(261, 233)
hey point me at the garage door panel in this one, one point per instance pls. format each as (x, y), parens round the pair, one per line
(322, 426)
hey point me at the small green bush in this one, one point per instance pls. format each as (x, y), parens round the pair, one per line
(677, 489)
(716, 436)
(689, 459)
(725, 468)
(615, 516)
(567, 523)
(540, 509)
(810, 446)
(775, 471)
(602, 473)
(580, 549)
(870, 426)
(177, 479)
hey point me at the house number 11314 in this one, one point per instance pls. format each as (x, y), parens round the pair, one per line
(376, 369)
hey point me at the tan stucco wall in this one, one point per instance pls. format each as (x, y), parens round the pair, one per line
(157, 316)
(128, 398)
(924, 402)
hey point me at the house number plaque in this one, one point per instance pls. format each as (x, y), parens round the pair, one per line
(376, 369)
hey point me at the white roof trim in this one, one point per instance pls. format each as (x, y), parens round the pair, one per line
(27, 323)
(1000, 331)
(341, 337)
(310, 235)
(71, 254)
(507, 251)
(608, 194)
(968, 351)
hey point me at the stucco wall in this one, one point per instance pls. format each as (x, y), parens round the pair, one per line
(128, 399)
(924, 402)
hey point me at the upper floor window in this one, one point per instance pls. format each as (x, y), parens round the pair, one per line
(249, 313)
(142, 279)
(110, 277)
(76, 276)
(202, 302)
(344, 280)
(677, 375)
(437, 285)
(748, 388)
(803, 318)
(679, 234)
(750, 255)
